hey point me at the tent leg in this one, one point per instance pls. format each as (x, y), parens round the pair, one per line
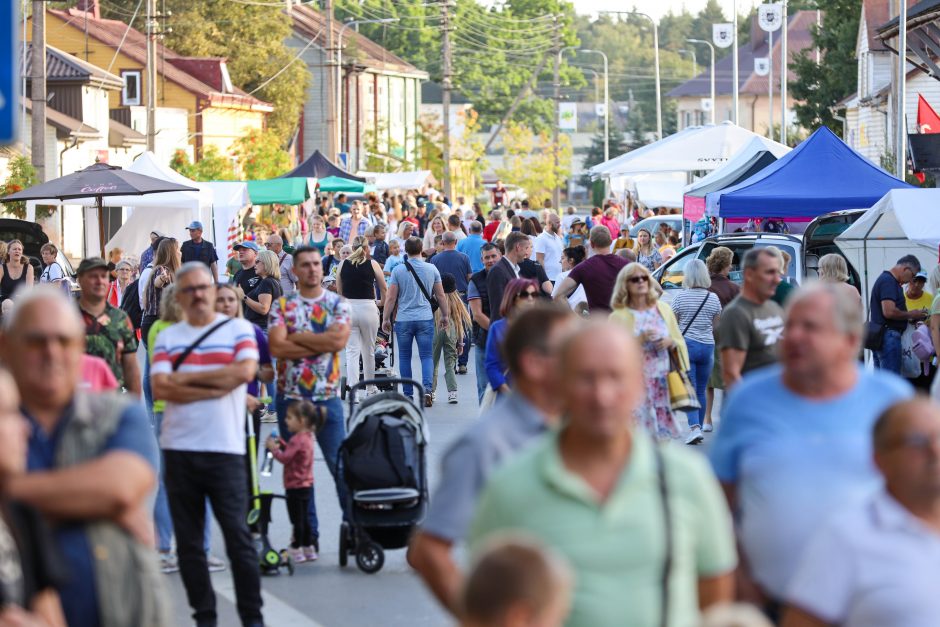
(99, 204)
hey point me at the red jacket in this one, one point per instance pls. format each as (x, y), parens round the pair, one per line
(490, 230)
(297, 457)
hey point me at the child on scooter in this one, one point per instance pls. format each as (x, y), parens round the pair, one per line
(303, 420)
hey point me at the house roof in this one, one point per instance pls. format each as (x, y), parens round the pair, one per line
(798, 38)
(64, 67)
(917, 14)
(133, 43)
(66, 126)
(312, 24)
(120, 135)
(875, 13)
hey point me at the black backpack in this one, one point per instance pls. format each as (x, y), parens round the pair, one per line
(130, 304)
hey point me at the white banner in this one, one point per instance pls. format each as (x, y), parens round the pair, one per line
(761, 66)
(600, 110)
(769, 16)
(723, 35)
(568, 116)
(705, 104)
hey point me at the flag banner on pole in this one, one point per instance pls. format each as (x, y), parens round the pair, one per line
(723, 35)
(761, 66)
(769, 16)
(927, 119)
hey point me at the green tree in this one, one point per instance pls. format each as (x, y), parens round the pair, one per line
(214, 166)
(22, 176)
(818, 87)
(259, 155)
(250, 36)
(529, 161)
(595, 153)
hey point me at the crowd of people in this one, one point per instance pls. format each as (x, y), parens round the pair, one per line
(815, 502)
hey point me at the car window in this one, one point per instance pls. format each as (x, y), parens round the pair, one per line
(674, 269)
(739, 249)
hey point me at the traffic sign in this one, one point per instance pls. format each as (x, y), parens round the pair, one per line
(9, 74)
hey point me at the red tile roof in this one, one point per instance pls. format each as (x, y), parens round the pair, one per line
(111, 33)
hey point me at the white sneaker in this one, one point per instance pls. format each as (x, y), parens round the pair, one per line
(708, 428)
(215, 564)
(695, 436)
(169, 563)
(452, 397)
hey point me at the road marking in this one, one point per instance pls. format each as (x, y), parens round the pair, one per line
(276, 611)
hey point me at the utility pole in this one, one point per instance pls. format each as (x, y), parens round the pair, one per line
(446, 85)
(556, 96)
(900, 162)
(38, 85)
(784, 62)
(151, 75)
(734, 64)
(331, 127)
(770, 83)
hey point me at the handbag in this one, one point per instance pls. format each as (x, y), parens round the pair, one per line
(431, 299)
(874, 335)
(682, 395)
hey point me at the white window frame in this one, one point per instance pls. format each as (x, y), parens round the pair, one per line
(124, 98)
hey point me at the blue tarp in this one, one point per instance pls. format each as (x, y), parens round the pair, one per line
(820, 175)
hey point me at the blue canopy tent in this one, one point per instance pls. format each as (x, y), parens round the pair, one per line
(819, 176)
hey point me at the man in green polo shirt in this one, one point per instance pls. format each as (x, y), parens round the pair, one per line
(592, 492)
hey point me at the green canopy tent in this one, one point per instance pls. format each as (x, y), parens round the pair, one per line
(339, 184)
(287, 191)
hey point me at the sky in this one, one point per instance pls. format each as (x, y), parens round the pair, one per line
(656, 8)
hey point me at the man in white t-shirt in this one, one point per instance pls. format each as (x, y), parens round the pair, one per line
(200, 368)
(549, 246)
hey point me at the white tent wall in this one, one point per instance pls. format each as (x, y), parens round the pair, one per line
(134, 236)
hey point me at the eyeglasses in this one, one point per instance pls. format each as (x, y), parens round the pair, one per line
(917, 441)
(638, 279)
(269, 245)
(528, 294)
(192, 289)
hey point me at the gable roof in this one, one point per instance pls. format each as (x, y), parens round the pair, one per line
(64, 67)
(113, 32)
(311, 24)
(874, 14)
(917, 14)
(65, 125)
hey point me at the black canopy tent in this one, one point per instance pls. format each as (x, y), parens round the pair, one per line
(317, 166)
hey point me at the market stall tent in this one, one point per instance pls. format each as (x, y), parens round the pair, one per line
(903, 222)
(398, 180)
(282, 191)
(317, 166)
(340, 184)
(819, 176)
(662, 189)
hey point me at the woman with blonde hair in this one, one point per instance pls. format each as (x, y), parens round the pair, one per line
(318, 237)
(449, 341)
(358, 280)
(636, 305)
(646, 252)
(435, 227)
(16, 270)
(834, 269)
(165, 264)
(259, 300)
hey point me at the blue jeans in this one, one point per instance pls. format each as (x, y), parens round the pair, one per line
(701, 357)
(480, 361)
(330, 437)
(889, 357)
(407, 332)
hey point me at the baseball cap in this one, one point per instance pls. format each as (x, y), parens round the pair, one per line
(921, 275)
(247, 244)
(576, 221)
(91, 263)
(195, 224)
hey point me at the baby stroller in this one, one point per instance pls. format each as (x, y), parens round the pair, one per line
(384, 351)
(383, 463)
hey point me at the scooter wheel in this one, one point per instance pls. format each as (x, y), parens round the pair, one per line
(344, 544)
(370, 557)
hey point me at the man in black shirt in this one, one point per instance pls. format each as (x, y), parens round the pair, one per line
(198, 249)
(889, 309)
(247, 278)
(479, 301)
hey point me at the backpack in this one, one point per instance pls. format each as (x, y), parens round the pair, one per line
(922, 343)
(130, 304)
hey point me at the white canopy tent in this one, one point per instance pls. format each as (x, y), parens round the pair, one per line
(731, 169)
(398, 180)
(652, 190)
(229, 198)
(904, 222)
(691, 149)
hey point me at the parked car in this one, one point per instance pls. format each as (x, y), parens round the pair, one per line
(805, 251)
(33, 238)
(652, 223)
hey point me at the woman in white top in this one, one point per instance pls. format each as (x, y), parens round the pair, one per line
(436, 227)
(570, 257)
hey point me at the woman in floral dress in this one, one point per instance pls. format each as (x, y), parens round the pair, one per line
(646, 252)
(636, 305)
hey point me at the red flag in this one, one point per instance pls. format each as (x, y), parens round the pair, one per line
(927, 119)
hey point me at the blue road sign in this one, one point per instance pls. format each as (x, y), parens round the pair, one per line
(9, 74)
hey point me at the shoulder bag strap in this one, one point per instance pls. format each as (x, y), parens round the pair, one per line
(189, 349)
(418, 280)
(667, 526)
(695, 315)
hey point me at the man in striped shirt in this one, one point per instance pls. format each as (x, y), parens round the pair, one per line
(200, 368)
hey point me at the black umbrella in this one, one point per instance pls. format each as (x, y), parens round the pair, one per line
(97, 181)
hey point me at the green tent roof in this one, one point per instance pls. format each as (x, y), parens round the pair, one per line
(339, 184)
(289, 191)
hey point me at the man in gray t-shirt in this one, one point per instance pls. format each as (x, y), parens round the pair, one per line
(511, 424)
(752, 324)
(410, 304)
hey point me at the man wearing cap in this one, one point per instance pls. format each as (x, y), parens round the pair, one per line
(109, 333)
(914, 296)
(198, 249)
(247, 278)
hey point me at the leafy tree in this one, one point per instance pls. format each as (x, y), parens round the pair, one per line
(214, 166)
(22, 176)
(818, 87)
(259, 155)
(529, 161)
(595, 153)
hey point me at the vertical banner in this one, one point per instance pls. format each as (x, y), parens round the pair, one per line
(568, 116)
(761, 66)
(769, 16)
(723, 35)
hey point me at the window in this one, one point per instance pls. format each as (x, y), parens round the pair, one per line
(130, 95)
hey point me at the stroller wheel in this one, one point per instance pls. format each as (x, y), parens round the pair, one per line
(344, 544)
(370, 558)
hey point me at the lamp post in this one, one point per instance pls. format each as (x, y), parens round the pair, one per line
(606, 103)
(900, 166)
(659, 95)
(339, 72)
(691, 53)
(712, 48)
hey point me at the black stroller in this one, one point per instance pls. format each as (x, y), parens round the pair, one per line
(383, 463)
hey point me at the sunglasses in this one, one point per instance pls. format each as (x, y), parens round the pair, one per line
(638, 279)
(528, 294)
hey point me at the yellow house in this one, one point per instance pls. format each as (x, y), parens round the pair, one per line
(217, 112)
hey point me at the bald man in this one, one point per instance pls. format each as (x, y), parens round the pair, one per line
(877, 564)
(91, 462)
(595, 491)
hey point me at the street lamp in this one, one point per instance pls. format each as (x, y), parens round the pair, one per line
(659, 95)
(606, 103)
(694, 60)
(712, 48)
(339, 72)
